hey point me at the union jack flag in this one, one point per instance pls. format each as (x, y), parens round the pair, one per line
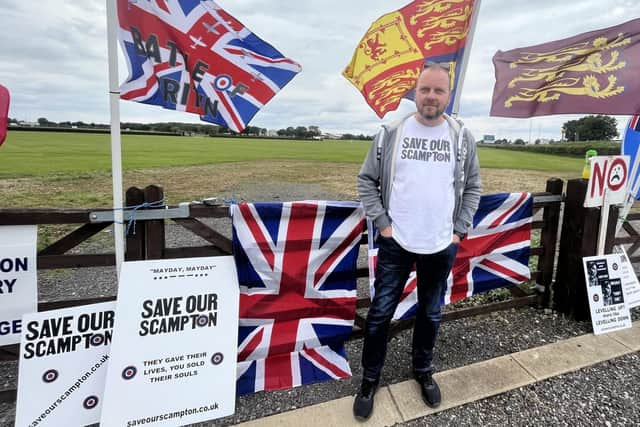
(495, 253)
(191, 55)
(631, 148)
(296, 268)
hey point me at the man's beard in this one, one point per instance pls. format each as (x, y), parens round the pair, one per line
(425, 115)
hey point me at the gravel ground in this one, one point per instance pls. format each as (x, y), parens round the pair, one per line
(586, 395)
(605, 394)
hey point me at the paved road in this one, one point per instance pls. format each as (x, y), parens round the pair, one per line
(605, 394)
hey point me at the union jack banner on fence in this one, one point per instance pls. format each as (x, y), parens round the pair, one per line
(296, 268)
(191, 55)
(495, 253)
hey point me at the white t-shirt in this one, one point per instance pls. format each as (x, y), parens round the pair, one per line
(422, 194)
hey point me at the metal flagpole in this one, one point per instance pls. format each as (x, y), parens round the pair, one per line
(116, 150)
(465, 56)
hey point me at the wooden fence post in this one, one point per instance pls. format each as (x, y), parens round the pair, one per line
(614, 211)
(135, 242)
(579, 238)
(154, 244)
(549, 240)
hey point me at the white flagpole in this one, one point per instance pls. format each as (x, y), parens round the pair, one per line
(116, 150)
(465, 56)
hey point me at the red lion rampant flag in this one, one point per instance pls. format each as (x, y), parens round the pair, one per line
(495, 253)
(191, 55)
(389, 57)
(296, 266)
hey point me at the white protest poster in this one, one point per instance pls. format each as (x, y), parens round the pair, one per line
(63, 365)
(173, 357)
(630, 282)
(603, 275)
(18, 279)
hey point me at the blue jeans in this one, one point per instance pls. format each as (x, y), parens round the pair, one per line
(392, 270)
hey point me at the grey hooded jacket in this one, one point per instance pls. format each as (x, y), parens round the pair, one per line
(376, 175)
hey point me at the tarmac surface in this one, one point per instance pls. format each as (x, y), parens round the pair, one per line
(465, 388)
(605, 394)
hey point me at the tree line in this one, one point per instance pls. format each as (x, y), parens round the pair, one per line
(299, 132)
(591, 128)
(588, 128)
(170, 127)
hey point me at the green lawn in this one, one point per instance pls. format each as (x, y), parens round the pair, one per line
(507, 159)
(51, 153)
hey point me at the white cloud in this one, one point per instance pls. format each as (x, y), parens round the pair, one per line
(54, 59)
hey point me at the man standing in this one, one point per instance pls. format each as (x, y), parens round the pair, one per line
(420, 184)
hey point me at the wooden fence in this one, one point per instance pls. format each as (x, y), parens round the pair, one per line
(149, 242)
(579, 238)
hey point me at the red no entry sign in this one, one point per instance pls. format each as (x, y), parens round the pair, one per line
(608, 175)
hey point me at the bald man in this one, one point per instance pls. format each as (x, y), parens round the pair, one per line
(420, 184)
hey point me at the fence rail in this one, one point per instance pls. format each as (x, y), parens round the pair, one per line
(633, 237)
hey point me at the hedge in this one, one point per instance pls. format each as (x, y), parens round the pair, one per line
(573, 149)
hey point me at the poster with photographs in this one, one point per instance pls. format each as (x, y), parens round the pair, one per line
(604, 280)
(630, 283)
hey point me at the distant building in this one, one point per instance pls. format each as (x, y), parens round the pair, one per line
(488, 139)
(331, 135)
(272, 132)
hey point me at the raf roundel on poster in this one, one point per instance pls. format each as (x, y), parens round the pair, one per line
(174, 351)
(64, 356)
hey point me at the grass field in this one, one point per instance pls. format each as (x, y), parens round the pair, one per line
(64, 170)
(31, 154)
(43, 153)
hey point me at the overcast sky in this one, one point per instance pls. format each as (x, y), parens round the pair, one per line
(53, 59)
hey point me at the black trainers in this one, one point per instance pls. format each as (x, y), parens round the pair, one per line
(363, 404)
(429, 388)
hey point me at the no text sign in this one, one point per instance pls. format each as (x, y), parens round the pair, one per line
(608, 175)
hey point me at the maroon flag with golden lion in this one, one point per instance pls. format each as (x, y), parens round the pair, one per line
(388, 59)
(595, 72)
